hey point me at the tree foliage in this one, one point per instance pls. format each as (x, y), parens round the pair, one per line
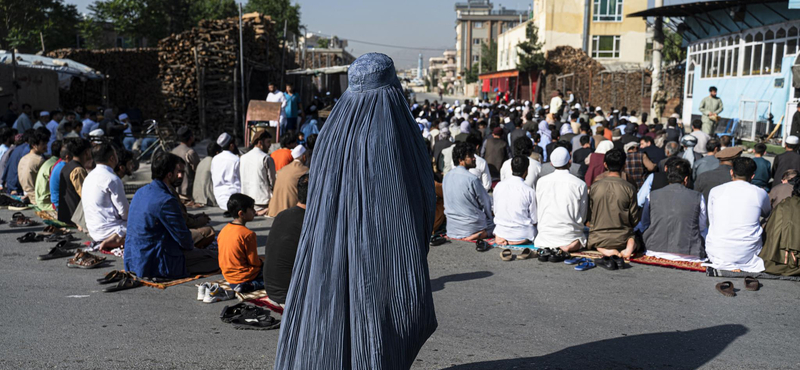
(489, 56)
(673, 47)
(22, 22)
(323, 43)
(156, 19)
(530, 56)
(279, 10)
(471, 74)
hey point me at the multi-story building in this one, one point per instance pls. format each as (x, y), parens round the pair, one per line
(444, 70)
(478, 23)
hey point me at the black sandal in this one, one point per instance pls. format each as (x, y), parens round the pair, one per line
(54, 253)
(482, 246)
(61, 237)
(544, 254)
(29, 238)
(558, 256)
(67, 245)
(606, 262)
(129, 281)
(112, 277)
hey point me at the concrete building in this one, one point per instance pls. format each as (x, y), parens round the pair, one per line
(611, 37)
(477, 22)
(444, 68)
(748, 51)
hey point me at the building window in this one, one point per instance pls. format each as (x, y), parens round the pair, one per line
(476, 58)
(605, 46)
(477, 24)
(607, 11)
(476, 41)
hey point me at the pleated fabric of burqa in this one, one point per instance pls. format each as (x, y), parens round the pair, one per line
(360, 296)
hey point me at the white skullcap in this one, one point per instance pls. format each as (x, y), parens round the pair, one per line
(507, 120)
(298, 151)
(546, 107)
(44, 113)
(598, 118)
(598, 109)
(537, 106)
(123, 116)
(224, 139)
(633, 119)
(559, 157)
(97, 132)
(577, 106)
(616, 111)
(792, 140)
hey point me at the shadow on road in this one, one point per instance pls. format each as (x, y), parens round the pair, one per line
(438, 283)
(673, 350)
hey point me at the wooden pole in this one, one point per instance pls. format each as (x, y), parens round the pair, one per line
(241, 65)
(14, 77)
(235, 105)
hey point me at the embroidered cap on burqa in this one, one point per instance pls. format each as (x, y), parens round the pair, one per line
(360, 294)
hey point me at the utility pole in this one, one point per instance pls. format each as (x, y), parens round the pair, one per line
(658, 46)
(283, 55)
(14, 77)
(243, 80)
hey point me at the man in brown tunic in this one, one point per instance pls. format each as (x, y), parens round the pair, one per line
(495, 152)
(184, 151)
(284, 195)
(613, 210)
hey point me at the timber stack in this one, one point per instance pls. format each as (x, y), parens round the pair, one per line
(200, 75)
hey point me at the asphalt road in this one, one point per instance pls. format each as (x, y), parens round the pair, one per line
(492, 315)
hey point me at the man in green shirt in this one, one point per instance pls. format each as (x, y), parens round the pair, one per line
(42, 187)
(710, 108)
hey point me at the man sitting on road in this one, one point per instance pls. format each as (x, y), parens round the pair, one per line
(42, 188)
(281, 248)
(720, 175)
(159, 244)
(71, 178)
(184, 151)
(613, 210)
(709, 161)
(105, 206)
(225, 171)
(783, 190)
(735, 210)
(515, 205)
(561, 199)
(467, 205)
(203, 188)
(29, 165)
(285, 193)
(283, 156)
(789, 160)
(674, 216)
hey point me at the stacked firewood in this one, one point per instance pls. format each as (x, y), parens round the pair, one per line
(200, 73)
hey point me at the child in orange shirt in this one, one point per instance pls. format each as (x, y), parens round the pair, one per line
(238, 257)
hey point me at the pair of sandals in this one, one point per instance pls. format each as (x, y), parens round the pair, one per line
(582, 263)
(611, 263)
(85, 260)
(527, 253)
(124, 279)
(61, 250)
(18, 219)
(726, 287)
(553, 255)
(31, 237)
(248, 317)
(438, 240)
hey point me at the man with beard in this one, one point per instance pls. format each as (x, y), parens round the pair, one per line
(467, 205)
(184, 151)
(155, 210)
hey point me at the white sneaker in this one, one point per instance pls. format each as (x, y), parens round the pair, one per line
(201, 290)
(217, 293)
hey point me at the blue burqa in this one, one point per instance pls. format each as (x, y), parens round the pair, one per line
(360, 296)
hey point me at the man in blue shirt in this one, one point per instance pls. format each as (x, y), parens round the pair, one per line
(293, 108)
(10, 175)
(159, 243)
(763, 170)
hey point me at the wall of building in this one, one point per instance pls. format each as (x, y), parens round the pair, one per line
(632, 32)
(507, 46)
(560, 22)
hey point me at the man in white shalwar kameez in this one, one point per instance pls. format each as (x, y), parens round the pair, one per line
(734, 213)
(277, 96)
(562, 200)
(225, 171)
(515, 207)
(257, 177)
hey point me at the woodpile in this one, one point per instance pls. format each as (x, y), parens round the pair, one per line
(200, 75)
(131, 77)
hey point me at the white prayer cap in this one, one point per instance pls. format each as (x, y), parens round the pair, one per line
(537, 106)
(44, 113)
(598, 118)
(630, 145)
(447, 105)
(559, 157)
(123, 116)
(546, 107)
(298, 151)
(527, 103)
(455, 103)
(633, 119)
(473, 110)
(97, 132)
(598, 109)
(616, 110)
(512, 102)
(577, 106)
(224, 139)
(507, 120)
(792, 140)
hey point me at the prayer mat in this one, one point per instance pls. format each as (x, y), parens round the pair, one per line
(712, 272)
(680, 265)
(490, 240)
(167, 284)
(517, 247)
(587, 254)
(265, 302)
(242, 296)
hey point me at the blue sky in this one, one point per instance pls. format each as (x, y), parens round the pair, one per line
(414, 23)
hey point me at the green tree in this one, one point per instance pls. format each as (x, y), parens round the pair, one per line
(673, 47)
(279, 10)
(212, 9)
(323, 43)
(530, 56)
(23, 24)
(91, 29)
(488, 57)
(471, 74)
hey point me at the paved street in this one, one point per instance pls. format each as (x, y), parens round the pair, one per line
(492, 315)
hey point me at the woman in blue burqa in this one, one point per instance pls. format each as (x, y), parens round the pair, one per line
(360, 294)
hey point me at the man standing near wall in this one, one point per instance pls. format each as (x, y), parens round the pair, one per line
(710, 108)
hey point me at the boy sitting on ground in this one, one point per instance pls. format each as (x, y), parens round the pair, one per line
(238, 257)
